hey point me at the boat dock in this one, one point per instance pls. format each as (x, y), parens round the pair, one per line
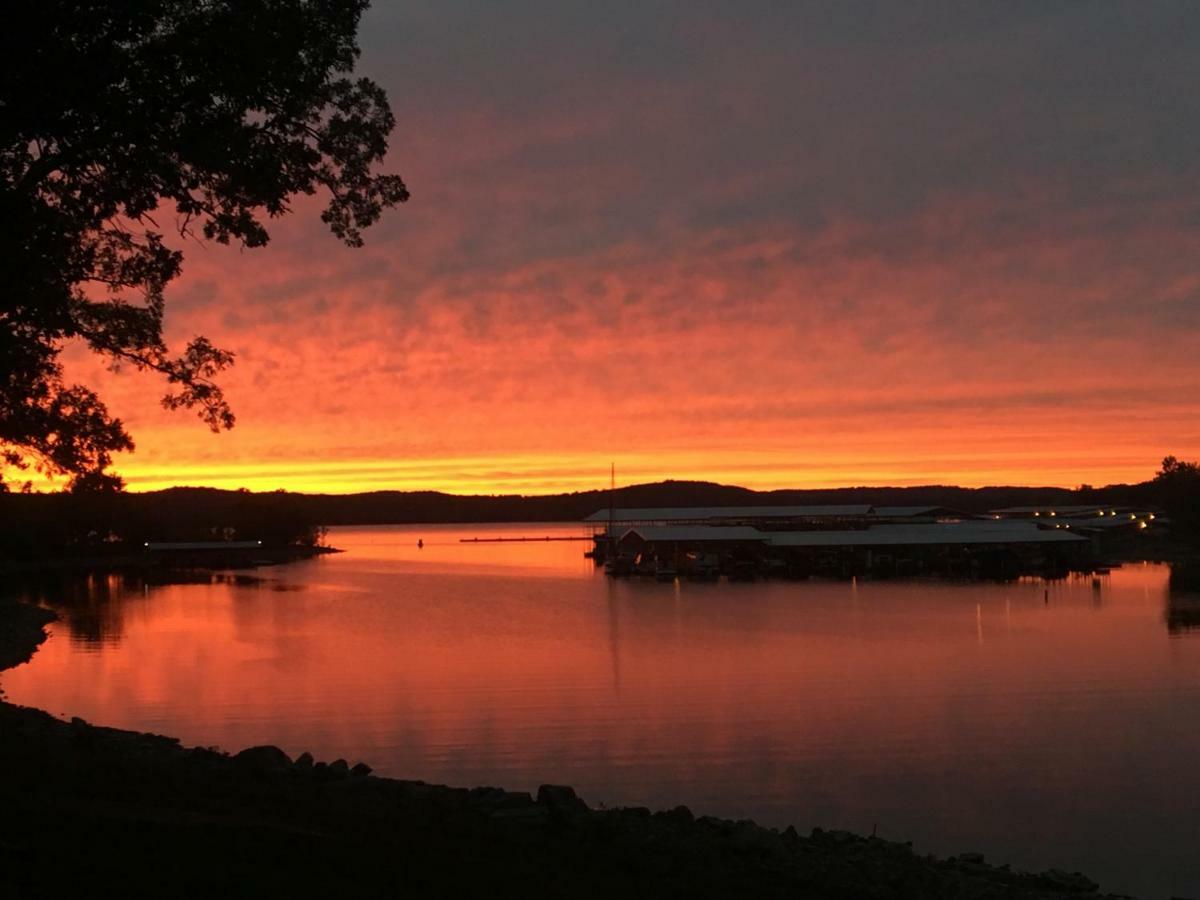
(744, 543)
(518, 540)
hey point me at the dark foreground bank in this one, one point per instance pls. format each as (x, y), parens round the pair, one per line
(91, 809)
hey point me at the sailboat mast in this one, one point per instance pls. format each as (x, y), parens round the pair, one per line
(612, 492)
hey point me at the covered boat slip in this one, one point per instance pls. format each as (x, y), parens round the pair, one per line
(828, 514)
(837, 541)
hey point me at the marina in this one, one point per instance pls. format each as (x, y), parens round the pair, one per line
(844, 541)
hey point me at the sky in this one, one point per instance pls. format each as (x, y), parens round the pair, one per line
(762, 243)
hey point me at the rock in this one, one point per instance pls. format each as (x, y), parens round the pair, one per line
(747, 836)
(339, 768)
(496, 798)
(360, 770)
(840, 837)
(1069, 881)
(680, 815)
(485, 796)
(265, 760)
(521, 815)
(560, 799)
(304, 761)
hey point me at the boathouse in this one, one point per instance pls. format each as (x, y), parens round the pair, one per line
(986, 547)
(776, 517)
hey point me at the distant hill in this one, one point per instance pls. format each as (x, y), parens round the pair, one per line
(397, 507)
(40, 525)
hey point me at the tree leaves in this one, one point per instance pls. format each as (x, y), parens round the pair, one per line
(112, 115)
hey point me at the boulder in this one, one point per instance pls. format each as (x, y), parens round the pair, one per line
(265, 760)
(360, 770)
(560, 799)
(1071, 882)
(304, 761)
(680, 815)
(339, 768)
(521, 815)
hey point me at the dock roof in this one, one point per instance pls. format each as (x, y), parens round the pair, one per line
(909, 535)
(912, 512)
(905, 534)
(689, 534)
(1076, 510)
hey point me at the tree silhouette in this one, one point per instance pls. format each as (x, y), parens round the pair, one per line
(120, 120)
(1177, 485)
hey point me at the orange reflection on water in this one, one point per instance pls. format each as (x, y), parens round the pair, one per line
(1014, 718)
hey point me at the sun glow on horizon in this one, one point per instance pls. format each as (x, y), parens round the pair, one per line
(567, 474)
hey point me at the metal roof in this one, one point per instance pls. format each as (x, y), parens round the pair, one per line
(688, 534)
(1096, 523)
(975, 532)
(1060, 510)
(899, 512)
(703, 513)
(908, 535)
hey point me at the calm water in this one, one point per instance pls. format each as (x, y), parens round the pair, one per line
(1041, 725)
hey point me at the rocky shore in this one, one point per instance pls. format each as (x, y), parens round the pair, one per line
(90, 809)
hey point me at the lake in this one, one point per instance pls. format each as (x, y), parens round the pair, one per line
(1042, 724)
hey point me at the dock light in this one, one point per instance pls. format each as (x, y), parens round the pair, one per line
(259, 543)
(146, 544)
(1141, 524)
(1037, 513)
(1053, 513)
(1112, 512)
(1152, 515)
(1132, 516)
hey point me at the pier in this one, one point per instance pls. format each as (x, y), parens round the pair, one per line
(519, 540)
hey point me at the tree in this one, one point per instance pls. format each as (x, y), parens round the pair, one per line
(119, 120)
(1177, 485)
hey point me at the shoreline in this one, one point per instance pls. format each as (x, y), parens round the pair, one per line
(141, 809)
(141, 562)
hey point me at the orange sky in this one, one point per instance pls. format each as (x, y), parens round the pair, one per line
(783, 248)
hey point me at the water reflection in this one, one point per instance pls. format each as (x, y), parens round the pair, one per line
(94, 608)
(1026, 720)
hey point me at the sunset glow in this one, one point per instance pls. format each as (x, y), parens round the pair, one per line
(855, 262)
